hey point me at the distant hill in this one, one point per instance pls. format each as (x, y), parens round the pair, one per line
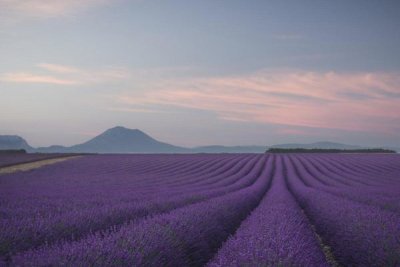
(229, 149)
(12, 142)
(317, 145)
(119, 140)
(329, 150)
(123, 140)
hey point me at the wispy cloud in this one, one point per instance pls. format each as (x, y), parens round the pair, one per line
(134, 110)
(66, 75)
(46, 8)
(21, 77)
(366, 102)
(58, 68)
(312, 99)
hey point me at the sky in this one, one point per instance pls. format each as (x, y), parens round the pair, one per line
(201, 72)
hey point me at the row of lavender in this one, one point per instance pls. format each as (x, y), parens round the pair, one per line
(73, 199)
(351, 216)
(323, 203)
(305, 210)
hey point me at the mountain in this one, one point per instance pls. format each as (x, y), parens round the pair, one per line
(123, 140)
(14, 142)
(229, 149)
(323, 145)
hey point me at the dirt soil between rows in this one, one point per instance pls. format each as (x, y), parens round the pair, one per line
(33, 165)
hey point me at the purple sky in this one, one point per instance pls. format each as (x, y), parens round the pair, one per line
(201, 72)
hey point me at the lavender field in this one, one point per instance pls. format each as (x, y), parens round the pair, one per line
(204, 210)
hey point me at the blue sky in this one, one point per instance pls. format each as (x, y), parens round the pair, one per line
(201, 72)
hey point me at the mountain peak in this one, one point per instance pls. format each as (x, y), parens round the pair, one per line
(122, 128)
(120, 131)
(120, 139)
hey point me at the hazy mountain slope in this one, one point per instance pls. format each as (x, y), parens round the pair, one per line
(229, 149)
(323, 145)
(14, 142)
(124, 140)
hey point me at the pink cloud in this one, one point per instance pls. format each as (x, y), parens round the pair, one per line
(21, 77)
(133, 110)
(47, 8)
(67, 75)
(58, 68)
(347, 101)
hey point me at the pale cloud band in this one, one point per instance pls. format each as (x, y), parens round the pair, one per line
(66, 75)
(46, 8)
(23, 77)
(58, 68)
(349, 101)
(365, 102)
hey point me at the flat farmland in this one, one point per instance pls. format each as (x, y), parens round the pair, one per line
(204, 210)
